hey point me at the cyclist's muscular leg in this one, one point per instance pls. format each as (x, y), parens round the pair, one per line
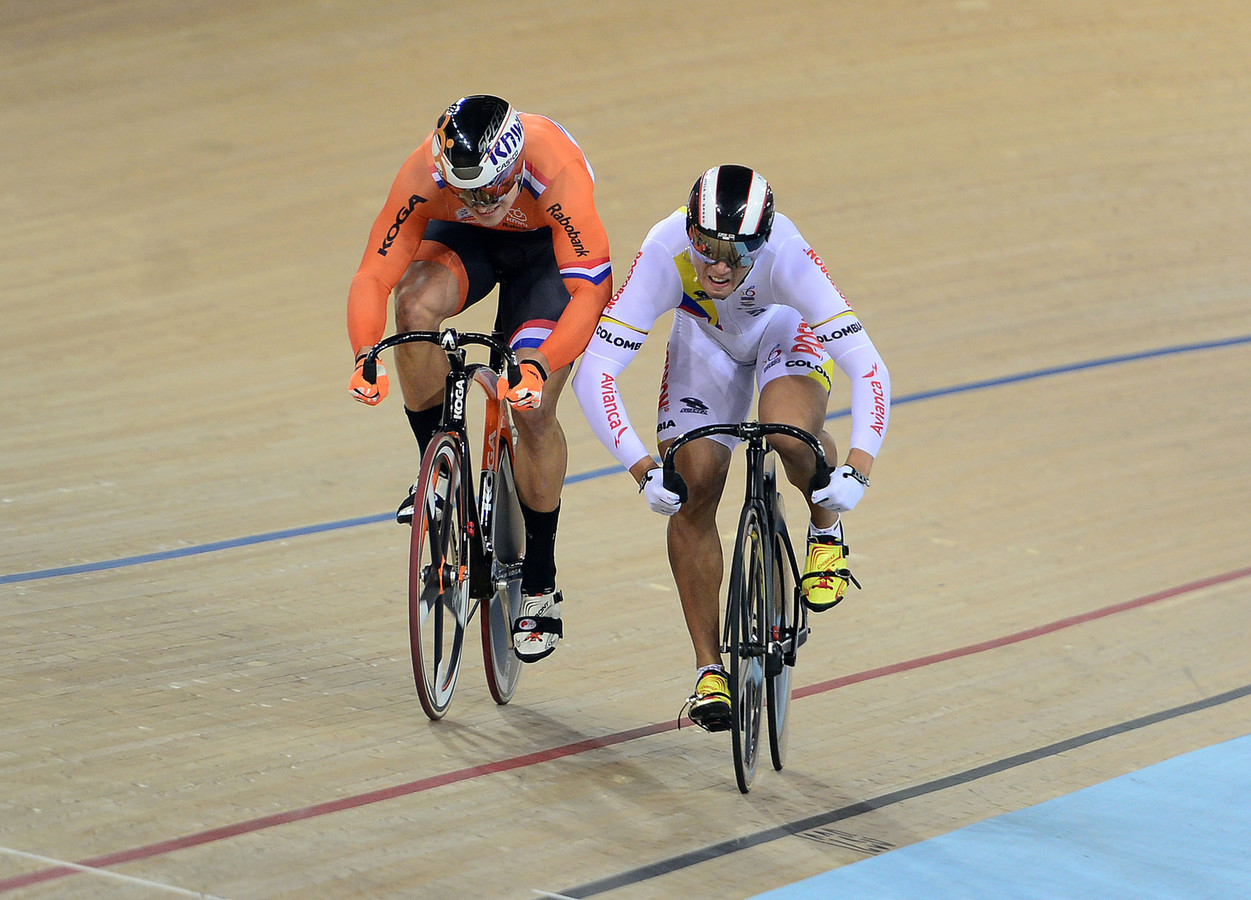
(800, 401)
(695, 554)
(428, 294)
(542, 453)
(540, 464)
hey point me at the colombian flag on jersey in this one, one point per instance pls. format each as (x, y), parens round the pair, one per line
(694, 300)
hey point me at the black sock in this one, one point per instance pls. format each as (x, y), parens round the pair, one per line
(424, 423)
(538, 570)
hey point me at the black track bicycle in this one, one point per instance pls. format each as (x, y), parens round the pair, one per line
(468, 536)
(765, 620)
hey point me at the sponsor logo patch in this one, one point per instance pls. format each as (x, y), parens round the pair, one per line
(400, 218)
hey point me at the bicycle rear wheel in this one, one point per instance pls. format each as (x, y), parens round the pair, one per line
(438, 576)
(782, 642)
(745, 614)
(501, 609)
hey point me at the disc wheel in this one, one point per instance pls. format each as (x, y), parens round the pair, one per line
(438, 577)
(746, 630)
(503, 667)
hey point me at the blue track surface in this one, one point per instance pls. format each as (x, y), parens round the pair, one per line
(1178, 829)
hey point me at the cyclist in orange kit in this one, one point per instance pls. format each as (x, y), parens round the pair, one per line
(492, 198)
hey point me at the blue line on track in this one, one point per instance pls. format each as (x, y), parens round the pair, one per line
(198, 549)
(287, 533)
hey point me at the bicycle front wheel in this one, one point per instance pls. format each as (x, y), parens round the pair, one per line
(746, 647)
(782, 645)
(501, 609)
(438, 576)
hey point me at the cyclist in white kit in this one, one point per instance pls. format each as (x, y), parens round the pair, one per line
(753, 305)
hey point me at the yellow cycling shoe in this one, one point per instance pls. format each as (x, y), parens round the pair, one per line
(826, 574)
(709, 706)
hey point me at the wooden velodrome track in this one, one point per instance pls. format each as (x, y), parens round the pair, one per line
(1025, 202)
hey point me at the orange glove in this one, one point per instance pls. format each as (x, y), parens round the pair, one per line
(362, 390)
(527, 393)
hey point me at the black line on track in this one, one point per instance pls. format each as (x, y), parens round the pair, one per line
(799, 826)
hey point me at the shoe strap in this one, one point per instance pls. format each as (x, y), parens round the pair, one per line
(556, 595)
(542, 624)
(843, 573)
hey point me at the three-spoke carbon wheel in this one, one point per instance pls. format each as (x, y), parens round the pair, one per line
(438, 576)
(746, 643)
(780, 616)
(501, 609)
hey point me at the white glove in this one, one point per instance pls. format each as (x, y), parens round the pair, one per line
(844, 491)
(659, 497)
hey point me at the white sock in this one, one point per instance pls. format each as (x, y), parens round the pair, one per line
(835, 531)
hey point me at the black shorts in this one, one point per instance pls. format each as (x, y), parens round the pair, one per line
(522, 263)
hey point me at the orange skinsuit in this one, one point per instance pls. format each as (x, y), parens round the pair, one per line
(557, 189)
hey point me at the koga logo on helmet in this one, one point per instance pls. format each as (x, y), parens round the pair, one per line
(394, 231)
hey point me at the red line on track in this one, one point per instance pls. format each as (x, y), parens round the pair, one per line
(1026, 635)
(518, 762)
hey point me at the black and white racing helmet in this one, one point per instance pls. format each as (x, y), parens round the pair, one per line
(477, 146)
(729, 215)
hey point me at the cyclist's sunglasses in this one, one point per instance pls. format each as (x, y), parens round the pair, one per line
(492, 193)
(736, 254)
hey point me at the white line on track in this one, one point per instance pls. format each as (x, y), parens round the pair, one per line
(105, 873)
